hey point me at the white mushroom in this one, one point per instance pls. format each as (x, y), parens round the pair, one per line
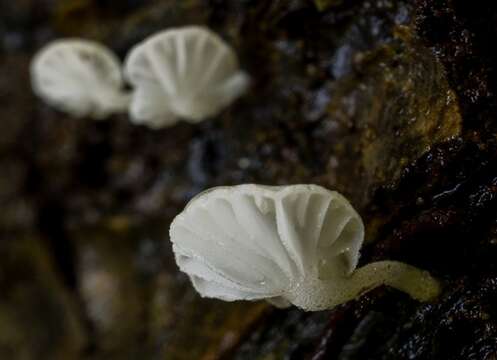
(80, 77)
(188, 73)
(289, 245)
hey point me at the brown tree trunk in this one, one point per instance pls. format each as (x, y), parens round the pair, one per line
(392, 103)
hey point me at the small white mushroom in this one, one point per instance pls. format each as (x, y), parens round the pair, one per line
(289, 245)
(188, 73)
(80, 77)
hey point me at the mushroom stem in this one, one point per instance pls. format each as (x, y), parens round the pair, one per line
(116, 102)
(419, 284)
(312, 295)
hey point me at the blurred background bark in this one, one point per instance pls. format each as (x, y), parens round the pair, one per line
(390, 102)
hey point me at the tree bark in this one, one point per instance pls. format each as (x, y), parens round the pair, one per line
(392, 103)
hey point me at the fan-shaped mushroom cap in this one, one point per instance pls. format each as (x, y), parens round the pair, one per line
(188, 73)
(80, 77)
(260, 242)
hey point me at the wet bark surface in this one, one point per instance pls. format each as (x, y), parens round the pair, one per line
(391, 103)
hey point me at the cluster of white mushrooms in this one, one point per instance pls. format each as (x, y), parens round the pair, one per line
(296, 244)
(188, 73)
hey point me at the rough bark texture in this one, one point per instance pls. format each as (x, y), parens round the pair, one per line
(390, 102)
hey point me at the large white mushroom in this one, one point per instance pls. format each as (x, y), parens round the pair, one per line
(80, 77)
(289, 245)
(188, 73)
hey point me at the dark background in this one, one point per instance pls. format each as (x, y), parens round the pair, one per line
(391, 103)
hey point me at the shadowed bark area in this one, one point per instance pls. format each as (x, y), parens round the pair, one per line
(390, 102)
